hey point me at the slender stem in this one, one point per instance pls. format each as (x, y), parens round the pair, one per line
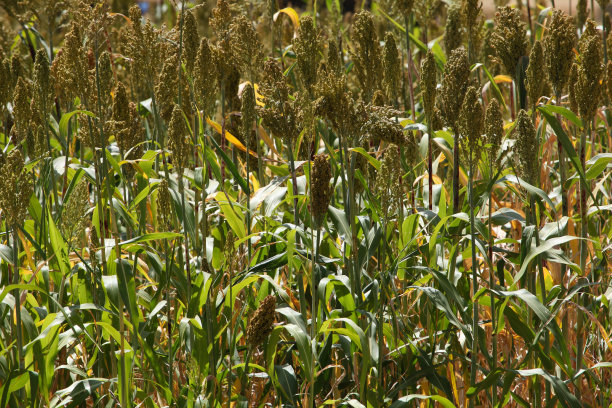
(583, 247)
(381, 312)
(313, 315)
(296, 221)
(456, 167)
(17, 297)
(123, 385)
(491, 287)
(169, 258)
(603, 27)
(430, 161)
(532, 34)
(351, 212)
(542, 287)
(473, 365)
(409, 54)
(187, 266)
(180, 67)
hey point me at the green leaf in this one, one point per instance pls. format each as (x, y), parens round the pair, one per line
(566, 398)
(63, 124)
(545, 246)
(511, 178)
(154, 236)
(60, 249)
(303, 343)
(406, 401)
(598, 164)
(341, 223)
(234, 218)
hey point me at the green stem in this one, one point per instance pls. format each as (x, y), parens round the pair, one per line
(409, 54)
(491, 287)
(17, 297)
(474, 351)
(583, 245)
(430, 162)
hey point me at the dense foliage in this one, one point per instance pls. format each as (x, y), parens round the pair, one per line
(224, 203)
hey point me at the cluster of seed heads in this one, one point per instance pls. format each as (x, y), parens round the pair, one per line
(16, 187)
(165, 207)
(320, 187)
(509, 39)
(261, 323)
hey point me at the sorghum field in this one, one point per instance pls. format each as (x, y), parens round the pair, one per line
(248, 204)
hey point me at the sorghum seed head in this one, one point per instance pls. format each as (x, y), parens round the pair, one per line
(437, 120)
(248, 111)
(145, 46)
(125, 124)
(334, 103)
(573, 78)
(382, 124)
(221, 17)
(166, 88)
(404, 6)
(411, 150)
(494, 129)
(454, 84)
(205, 79)
(106, 76)
(453, 31)
(74, 221)
(392, 67)
(472, 14)
(319, 187)
(16, 69)
(6, 90)
(388, 184)
(470, 125)
(164, 206)
(178, 139)
(425, 10)
(429, 83)
(191, 41)
(15, 189)
(261, 323)
(535, 73)
(509, 38)
(42, 77)
(334, 57)
(279, 114)
(559, 49)
(306, 46)
(22, 111)
(70, 68)
(271, 8)
(527, 148)
(366, 53)
(378, 99)
(603, 3)
(590, 72)
(581, 13)
(245, 45)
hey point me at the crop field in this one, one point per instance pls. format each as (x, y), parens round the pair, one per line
(222, 203)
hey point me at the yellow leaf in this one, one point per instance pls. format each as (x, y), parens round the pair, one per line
(502, 78)
(229, 137)
(259, 98)
(268, 141)
(293, 15)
